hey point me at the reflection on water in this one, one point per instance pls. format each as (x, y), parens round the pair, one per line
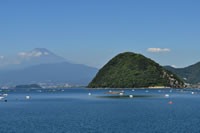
(75, 111)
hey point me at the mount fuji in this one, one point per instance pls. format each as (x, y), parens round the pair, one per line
(41, 65)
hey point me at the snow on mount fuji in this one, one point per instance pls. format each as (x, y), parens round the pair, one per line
(35, 57)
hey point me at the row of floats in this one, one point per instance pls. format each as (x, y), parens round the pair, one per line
(121, 93)
(4, 96)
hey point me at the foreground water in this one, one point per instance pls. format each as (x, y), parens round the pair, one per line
(74, 111)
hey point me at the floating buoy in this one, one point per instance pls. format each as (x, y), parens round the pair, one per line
(133, 90)
(192, 93)
(28, 97)
(170, 102)
(39, 91)
(89, 94)
(121, 94)
(110, 91)
(166, 95)
(131, 96)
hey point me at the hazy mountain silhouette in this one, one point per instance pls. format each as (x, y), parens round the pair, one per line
(190, 74)
(41, 65)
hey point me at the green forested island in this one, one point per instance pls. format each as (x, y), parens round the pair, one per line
(131, 70)
(31, 86)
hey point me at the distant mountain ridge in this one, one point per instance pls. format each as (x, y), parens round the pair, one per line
(190, 74)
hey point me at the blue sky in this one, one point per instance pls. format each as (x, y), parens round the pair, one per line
(93, 31)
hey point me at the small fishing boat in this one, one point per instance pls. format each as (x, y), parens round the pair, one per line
(115, 92)
(2, 98)
(5, 95)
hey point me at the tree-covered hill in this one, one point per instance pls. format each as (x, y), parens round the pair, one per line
(131, 70)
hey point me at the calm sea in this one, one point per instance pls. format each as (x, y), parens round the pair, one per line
(74, 111)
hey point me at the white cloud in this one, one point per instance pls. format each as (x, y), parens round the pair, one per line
(158, 50)
(2, 57)
(37, 54)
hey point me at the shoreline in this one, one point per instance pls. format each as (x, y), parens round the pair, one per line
(132, 88)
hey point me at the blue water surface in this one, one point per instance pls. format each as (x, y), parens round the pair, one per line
(74, 111)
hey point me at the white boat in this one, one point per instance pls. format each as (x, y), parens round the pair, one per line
(5, 95)
(2, 98)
